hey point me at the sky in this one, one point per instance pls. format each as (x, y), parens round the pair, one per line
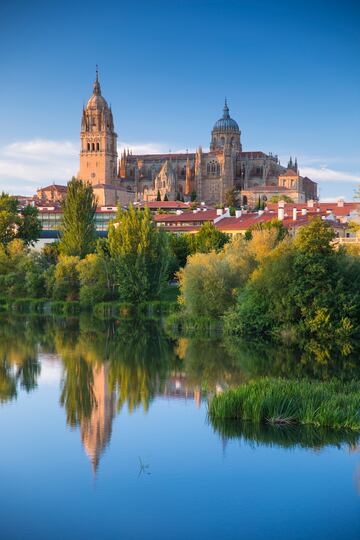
(290, 71)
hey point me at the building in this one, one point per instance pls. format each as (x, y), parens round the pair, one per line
(209, 175)
(54, 193)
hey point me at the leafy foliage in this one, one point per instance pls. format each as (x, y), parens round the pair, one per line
(16, 223)
(141, 252)
(78, 226)
(277, 198)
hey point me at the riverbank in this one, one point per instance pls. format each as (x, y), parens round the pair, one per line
(332, 404)
(166, 304)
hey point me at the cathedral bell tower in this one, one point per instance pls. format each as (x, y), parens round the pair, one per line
(98, 151)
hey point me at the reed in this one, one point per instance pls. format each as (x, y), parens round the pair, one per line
(333, 404)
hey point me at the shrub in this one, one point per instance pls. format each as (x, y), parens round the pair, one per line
(66, 279)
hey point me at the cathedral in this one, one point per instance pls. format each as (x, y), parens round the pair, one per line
(206, 176)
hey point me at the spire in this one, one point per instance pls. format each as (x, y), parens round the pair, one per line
(97, 89)
(226, 110)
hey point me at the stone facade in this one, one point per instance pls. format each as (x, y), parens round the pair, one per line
(209, 175)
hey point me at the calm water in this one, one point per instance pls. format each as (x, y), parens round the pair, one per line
(105, 435)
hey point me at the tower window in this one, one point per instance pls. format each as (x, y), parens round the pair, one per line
(93, 147)
(97, 146)
(88, 146)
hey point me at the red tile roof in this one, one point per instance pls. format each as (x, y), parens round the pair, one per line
(58, 187)
(163, 204)
(201, 216)
(332, 206)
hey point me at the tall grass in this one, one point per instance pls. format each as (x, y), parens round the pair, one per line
(333, 404)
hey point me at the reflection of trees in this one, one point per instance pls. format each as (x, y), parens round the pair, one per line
(77, 395)
(7, 381)
(19, 364)
(308, 359)
(140, 360)
(208, 364)
(304, 436)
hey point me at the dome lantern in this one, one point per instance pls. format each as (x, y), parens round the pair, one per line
(225, 130)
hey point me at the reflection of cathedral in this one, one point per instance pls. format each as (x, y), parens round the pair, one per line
(96, 430)
(209, 174)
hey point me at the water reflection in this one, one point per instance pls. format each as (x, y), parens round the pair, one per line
(285, 436)
(107, 365)
(19, 365)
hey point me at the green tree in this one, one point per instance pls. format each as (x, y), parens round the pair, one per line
(18, 223)
(15, 263)
(273, 224)
(207, 284)
(303, 288)
(97, 279)
(66, 278)
(29, 225)
(158, 196)
(277, 198)
(166, 197)
(193, 196)
(232, 198)
(208, 238)
(78, 225)
(141, 251)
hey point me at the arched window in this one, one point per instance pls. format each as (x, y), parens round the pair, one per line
(208, 168)
(97, 147)
(88, 146)
(245, 200)
(93, 147)
(222, 141)
(218, 168)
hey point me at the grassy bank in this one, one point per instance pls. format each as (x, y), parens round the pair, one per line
(167, 304)
(331, 404)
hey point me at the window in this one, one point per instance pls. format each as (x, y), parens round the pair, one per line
(97, 147)
(88, 146)
(93, 147)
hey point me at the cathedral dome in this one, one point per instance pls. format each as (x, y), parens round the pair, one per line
(226, 123)
(97, 101)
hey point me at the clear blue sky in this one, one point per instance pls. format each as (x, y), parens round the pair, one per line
(290, 70)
